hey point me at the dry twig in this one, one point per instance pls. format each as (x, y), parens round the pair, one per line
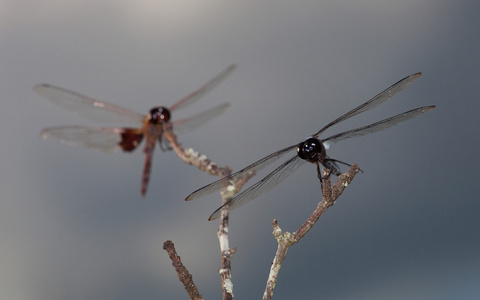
(182, 272)
(191, 157)
(287, 239)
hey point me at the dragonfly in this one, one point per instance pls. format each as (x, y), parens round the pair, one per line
(312, 150)
(139, 127)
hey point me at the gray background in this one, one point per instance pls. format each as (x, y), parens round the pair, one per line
(72, 222)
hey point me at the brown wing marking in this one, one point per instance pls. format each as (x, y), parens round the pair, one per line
(130, 139)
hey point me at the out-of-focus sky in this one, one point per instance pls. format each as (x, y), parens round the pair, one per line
(73, 224)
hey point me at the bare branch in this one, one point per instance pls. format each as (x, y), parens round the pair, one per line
(330, 194)
(191, 157)
(228, 192)
(226, 270)
(182, 272)
(285, 240)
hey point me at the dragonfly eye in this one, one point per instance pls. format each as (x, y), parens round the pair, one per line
(310, 150)
(159, 115)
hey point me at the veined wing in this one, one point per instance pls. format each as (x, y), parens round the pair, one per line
(88, 107)
(251, 169)
(378, 126)
(188, 124)
(264, 185)
(375, 101)
(103, 139)
(207, 87)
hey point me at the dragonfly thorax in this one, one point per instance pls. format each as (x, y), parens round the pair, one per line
(311, 150)
(159, 115)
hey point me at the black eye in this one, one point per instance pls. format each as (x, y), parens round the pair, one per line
(159, 115)
(311, 150)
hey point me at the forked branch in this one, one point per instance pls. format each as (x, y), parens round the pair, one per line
(286, 239)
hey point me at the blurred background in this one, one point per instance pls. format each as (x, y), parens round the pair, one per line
(73, 224)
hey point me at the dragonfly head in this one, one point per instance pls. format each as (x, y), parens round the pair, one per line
(311, 150)
(159, 115)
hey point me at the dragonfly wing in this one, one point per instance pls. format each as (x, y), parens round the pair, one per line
(103, 139)
(207, 87)
(188, 124)
(264, 185)
(378, 126)
(88, 107)
(251, 169)
(375, 101)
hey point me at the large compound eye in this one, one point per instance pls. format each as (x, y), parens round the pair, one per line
(310, 150)
(159, 115)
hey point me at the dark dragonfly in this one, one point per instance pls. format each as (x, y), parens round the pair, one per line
(127, 139)
(313, 150)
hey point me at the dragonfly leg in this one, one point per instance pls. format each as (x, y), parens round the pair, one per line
(333, 162)
(319, 174)
(331, 165)
(164, 145)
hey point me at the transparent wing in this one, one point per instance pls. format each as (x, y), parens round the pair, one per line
(378, 126)
(287, 168)
(251, 169)
(207, 87)
(264, 185)
(188, 124)
(88, 107)
(103, 139)
(375, 101)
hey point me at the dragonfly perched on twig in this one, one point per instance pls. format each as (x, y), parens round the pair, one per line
(149, 127)
(312, 150)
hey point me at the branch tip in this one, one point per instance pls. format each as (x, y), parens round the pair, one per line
(183, 275)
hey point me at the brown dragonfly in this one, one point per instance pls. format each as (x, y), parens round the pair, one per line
(313, 150)
(150, 127)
